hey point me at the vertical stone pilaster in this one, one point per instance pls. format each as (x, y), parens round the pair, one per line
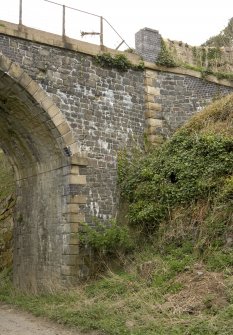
(153, 121)
(71, 263)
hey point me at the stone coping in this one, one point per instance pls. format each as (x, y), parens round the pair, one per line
(187, 72)
(38, 36)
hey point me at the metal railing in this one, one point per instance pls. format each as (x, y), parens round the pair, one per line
(64, 7)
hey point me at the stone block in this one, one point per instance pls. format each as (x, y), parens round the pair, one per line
(75, 218)
(70, 249)
(77, 179)
(40, 95)
(58, 119)
(70, 239)
(76, 199)
(72, 227)
(32, 87)
(5, 63)
(15, 71)
(47, 103)
(78, 159)
(25, 80)
(63, 128)
(151, 114)
(150, 74)
(74, 169)
(149, 98)
(152, 90)
(72, 208)
(150, 122)
(53, 110)
(154, 106)
(68, 138)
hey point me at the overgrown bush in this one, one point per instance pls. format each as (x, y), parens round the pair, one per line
(107, 238)
(165, 57)
(184, 188)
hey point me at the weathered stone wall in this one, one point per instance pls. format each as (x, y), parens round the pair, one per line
(148, 46)
(174, 98)
(6, 229)
(104, 107)
(217, 59)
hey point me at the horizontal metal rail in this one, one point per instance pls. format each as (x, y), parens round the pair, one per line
(101, 33)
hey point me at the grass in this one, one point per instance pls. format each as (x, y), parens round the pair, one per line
(205, 72)
(156, 293)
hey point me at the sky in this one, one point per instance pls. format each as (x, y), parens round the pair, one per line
(192, 22)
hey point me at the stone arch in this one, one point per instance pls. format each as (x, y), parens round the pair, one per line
(45, 156)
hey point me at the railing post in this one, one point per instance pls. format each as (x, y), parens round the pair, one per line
(101, 33)
(64, 21)
(20, 12)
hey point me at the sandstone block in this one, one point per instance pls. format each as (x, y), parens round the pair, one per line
(15, 71)
(155, 139)
(152, 90)
(152, 130)
(154, 106)
(150, 122)
(5, 63)
(77, 179)
(76, 218)
(150, 114)
(76, 199)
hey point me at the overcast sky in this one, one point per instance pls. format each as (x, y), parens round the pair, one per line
(192, 22)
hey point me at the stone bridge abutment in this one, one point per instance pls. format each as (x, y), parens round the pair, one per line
(38, 142)
(63, 119)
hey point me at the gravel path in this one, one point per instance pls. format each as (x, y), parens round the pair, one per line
(14, 322)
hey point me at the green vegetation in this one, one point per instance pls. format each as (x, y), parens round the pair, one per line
(107, 238)
(165, 57)
(205, 72)
(211, 58)
(155, 294)
(178, 279)
(169, 188)
(118, 61)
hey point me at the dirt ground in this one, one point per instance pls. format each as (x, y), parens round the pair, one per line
(14, 322)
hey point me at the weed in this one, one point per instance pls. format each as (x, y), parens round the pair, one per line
(118, 61)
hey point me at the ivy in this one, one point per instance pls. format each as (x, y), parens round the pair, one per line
(165, 57)
(193, 166)
(119, 61)
(107, 237)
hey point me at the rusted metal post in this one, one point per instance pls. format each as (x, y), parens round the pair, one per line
(101, 33)
(20, 12)
(64, 21)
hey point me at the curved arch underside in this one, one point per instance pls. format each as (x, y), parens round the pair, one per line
(35, 140)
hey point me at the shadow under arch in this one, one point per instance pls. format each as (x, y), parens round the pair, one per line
(42, 150)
